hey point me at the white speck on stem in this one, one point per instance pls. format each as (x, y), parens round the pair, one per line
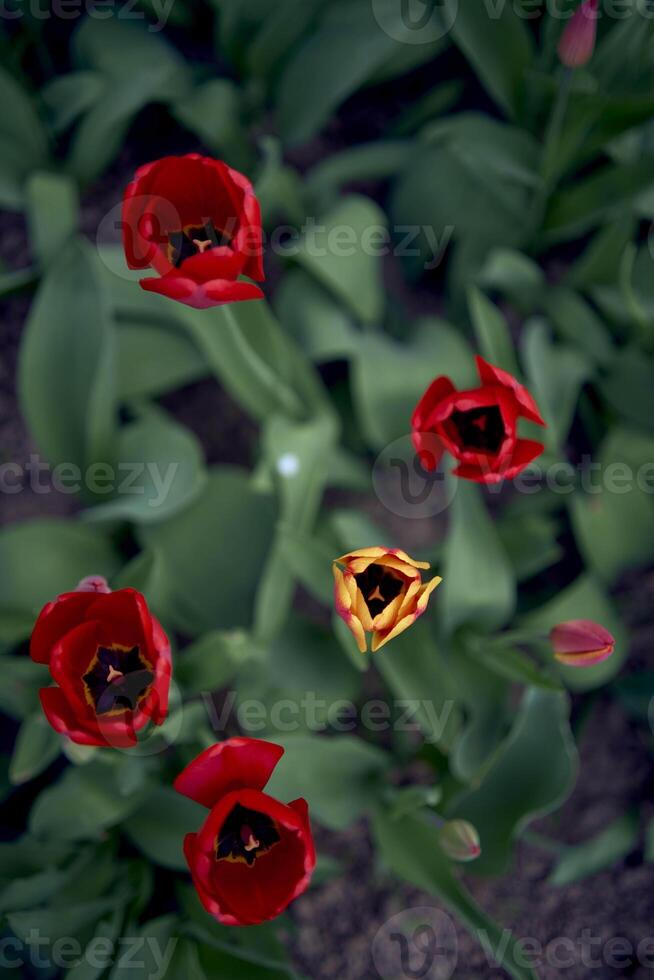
(288, 465)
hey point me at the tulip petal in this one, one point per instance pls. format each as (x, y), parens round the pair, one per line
(238, 763)
(491, 375)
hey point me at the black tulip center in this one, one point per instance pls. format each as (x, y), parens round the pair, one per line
(379, 586)
(245, 836)
(480, 429)
(194, 240)
(117, 679)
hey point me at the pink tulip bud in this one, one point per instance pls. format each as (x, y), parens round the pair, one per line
(93, 583)
(581, 642)
(460, 840)
(578, 39)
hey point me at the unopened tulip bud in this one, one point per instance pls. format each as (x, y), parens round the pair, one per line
(460, 840)
(581, 643)
(578, 39)
(93, 583)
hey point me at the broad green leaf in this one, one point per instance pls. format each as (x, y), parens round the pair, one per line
(19, 693)
(298, 456)
(23, 141)
(416, 672)
(497, 43)
(343, 251)
(159, 826)
(66, 363)
(37, 745)
(310, 89)
(368, 161)
(177, 363)
(52, 214)
(212, 661)
(58, 922)
(532, 773)
(317, 321)
(213, 111)
(492, 332)
(40, 559)
(577, 323)
(82, 805)
(605, 849)
(628, 387)
(339, 776)
(531, 542)
(388, 379)
(212, 553)
(479, 584)
(161, 471)
(556, 375)
(66, 97)
(411, 848)
(514, 665)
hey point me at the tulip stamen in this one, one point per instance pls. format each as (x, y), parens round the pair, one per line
(245, 836)
(201, 245)
(117, 679)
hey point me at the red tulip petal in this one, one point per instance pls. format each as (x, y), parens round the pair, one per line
(491, 375)
(238, 763)
(439, 389)
(56, 619)
(525, 451)
(204, 295)
(64, 720)
(215, 263)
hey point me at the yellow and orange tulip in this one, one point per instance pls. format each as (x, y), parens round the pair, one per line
(380, 591)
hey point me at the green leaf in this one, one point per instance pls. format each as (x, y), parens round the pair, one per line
(212, 661)
(556, 375)
(416, 672)
(56, 923)
(23, 141)
(628, 387)
(160, 839)
(367, 161)
(65, 369)
(298, 456)
(479, 584)
(514, 665)
(82, 805)
(66, 97)
(40, 559)
(317, 321)
(178, 361)
(492, 332)
(584, 599)
(162, 471)
(140, 67)
(213, 111)
(22, 679)
(37, 745)
(52, 214)
(388, 378)
(411, 849)
(339, 776)
(602, 851)
(576, 322)
(532, 773)
(342, 252)
(310, 90)
(499, 48)
(212, 553)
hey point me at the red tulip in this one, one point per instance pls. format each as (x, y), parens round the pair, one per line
(478, 427)
(197, 223)
(253, 855)
(581, 643)
(111, 661)
(578, 39)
